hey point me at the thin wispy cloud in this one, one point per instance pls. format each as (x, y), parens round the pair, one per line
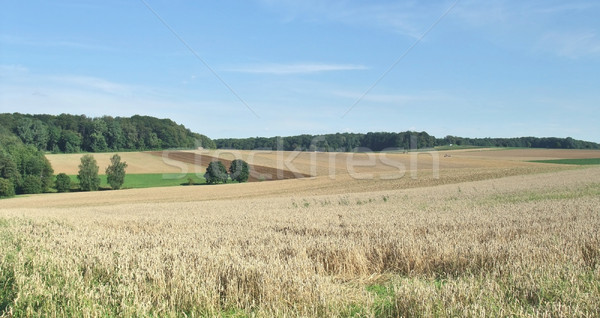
(93, 83)
(16, 80)
(539, 26)
(298, 68)
(54, 43)
(383, 98)
(407, 17)
(571, 44)
(561, 8)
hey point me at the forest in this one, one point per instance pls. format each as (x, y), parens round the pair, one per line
(379, 141)
(78, 133)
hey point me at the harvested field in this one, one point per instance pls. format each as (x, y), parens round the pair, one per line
(257, 172)
(527, 154)
(278, 165)
(356, 164)
(138, 162)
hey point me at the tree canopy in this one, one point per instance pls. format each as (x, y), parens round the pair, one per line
(115, 172)
(88, 174)
(63, 182)
(216, 173)
(72, 133)
(239, 171)
(378, 141)
(23, 167)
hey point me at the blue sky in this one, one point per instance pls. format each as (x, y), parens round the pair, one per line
(266, 67)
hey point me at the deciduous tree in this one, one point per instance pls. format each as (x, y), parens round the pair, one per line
(88, 174)
(7, 188)
(115, 173)
(63, 183)
(216, 173)
(239, 170)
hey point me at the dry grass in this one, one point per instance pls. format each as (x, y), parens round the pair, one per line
(525, 245)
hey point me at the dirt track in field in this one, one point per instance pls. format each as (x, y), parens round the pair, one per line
(257, 172)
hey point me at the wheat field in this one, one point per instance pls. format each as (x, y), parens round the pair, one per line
(518, 239)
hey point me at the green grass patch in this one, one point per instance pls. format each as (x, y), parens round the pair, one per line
(384, 305)
(590, 190)
(580, 162)
(151, 180)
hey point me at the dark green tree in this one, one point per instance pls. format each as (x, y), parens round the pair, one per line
(8, 169)
(239, 170)
(216, 173)
(98, 136)
(88, 174)
(7, 188)
(115, 173)
(32, 132)
(53, 139)
(63, 182)
(32, 162)
(31, 184)
(18, 161)
(69, 142)
(114, 135)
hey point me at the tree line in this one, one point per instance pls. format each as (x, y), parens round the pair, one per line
(378, 141)
(525, 142)
(66, 133)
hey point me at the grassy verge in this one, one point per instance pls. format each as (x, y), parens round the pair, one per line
(580, 162)
(151, 180)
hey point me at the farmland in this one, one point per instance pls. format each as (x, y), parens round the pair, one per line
(471, 232)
